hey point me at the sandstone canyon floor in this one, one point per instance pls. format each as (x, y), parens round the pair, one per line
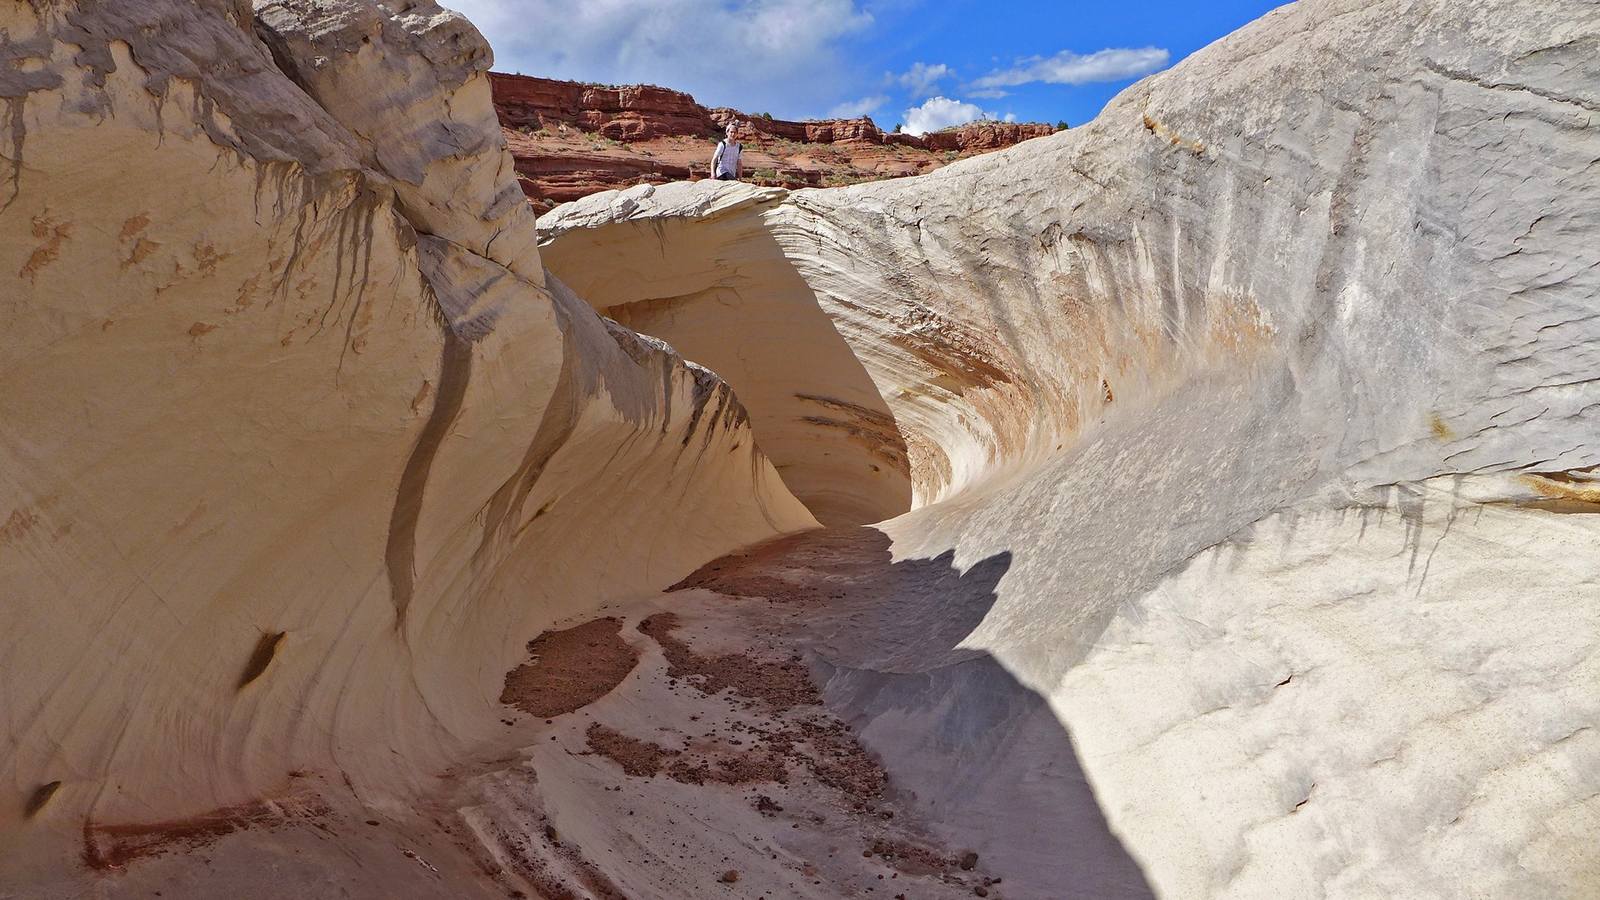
(1200, 502)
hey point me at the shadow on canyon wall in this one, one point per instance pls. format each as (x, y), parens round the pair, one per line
(725, 295)
(980, 755)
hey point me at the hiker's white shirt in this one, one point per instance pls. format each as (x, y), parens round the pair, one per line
(726, 159)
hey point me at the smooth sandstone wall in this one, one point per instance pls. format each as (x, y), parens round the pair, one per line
(299, 447)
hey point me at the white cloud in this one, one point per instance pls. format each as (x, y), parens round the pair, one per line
(1066, 67)
(855, 109)
(942, 112)
(988, 94)
(922, 79)
(1010, 117)
(778, 56)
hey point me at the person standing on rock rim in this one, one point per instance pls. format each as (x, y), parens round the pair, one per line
(725, 163)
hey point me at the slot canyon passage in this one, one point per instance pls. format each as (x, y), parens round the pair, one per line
(1202, 502)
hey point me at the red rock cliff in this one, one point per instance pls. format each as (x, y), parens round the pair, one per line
(571, 139)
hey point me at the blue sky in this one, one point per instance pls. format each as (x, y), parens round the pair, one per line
(924, 63)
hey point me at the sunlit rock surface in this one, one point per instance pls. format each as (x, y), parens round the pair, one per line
(299, 448)
(1212, 488)
(1273, 390)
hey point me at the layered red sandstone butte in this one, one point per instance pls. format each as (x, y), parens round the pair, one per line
(571, 139)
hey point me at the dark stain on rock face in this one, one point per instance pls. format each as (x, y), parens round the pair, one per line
(40, 796)
(455, 371)
(706, 385)
(260, 658)
(560, 419)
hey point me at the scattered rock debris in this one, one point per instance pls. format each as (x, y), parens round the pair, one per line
(734, 706)
(780, 685)
(640, 759)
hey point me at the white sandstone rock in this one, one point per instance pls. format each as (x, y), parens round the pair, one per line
(298, 449)
(1338, 271)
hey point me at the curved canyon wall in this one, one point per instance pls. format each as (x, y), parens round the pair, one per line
(301, 446)
(1218, 379)
(701, 269)
(1006, 307)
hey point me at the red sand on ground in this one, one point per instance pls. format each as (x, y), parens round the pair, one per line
(570, 669)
